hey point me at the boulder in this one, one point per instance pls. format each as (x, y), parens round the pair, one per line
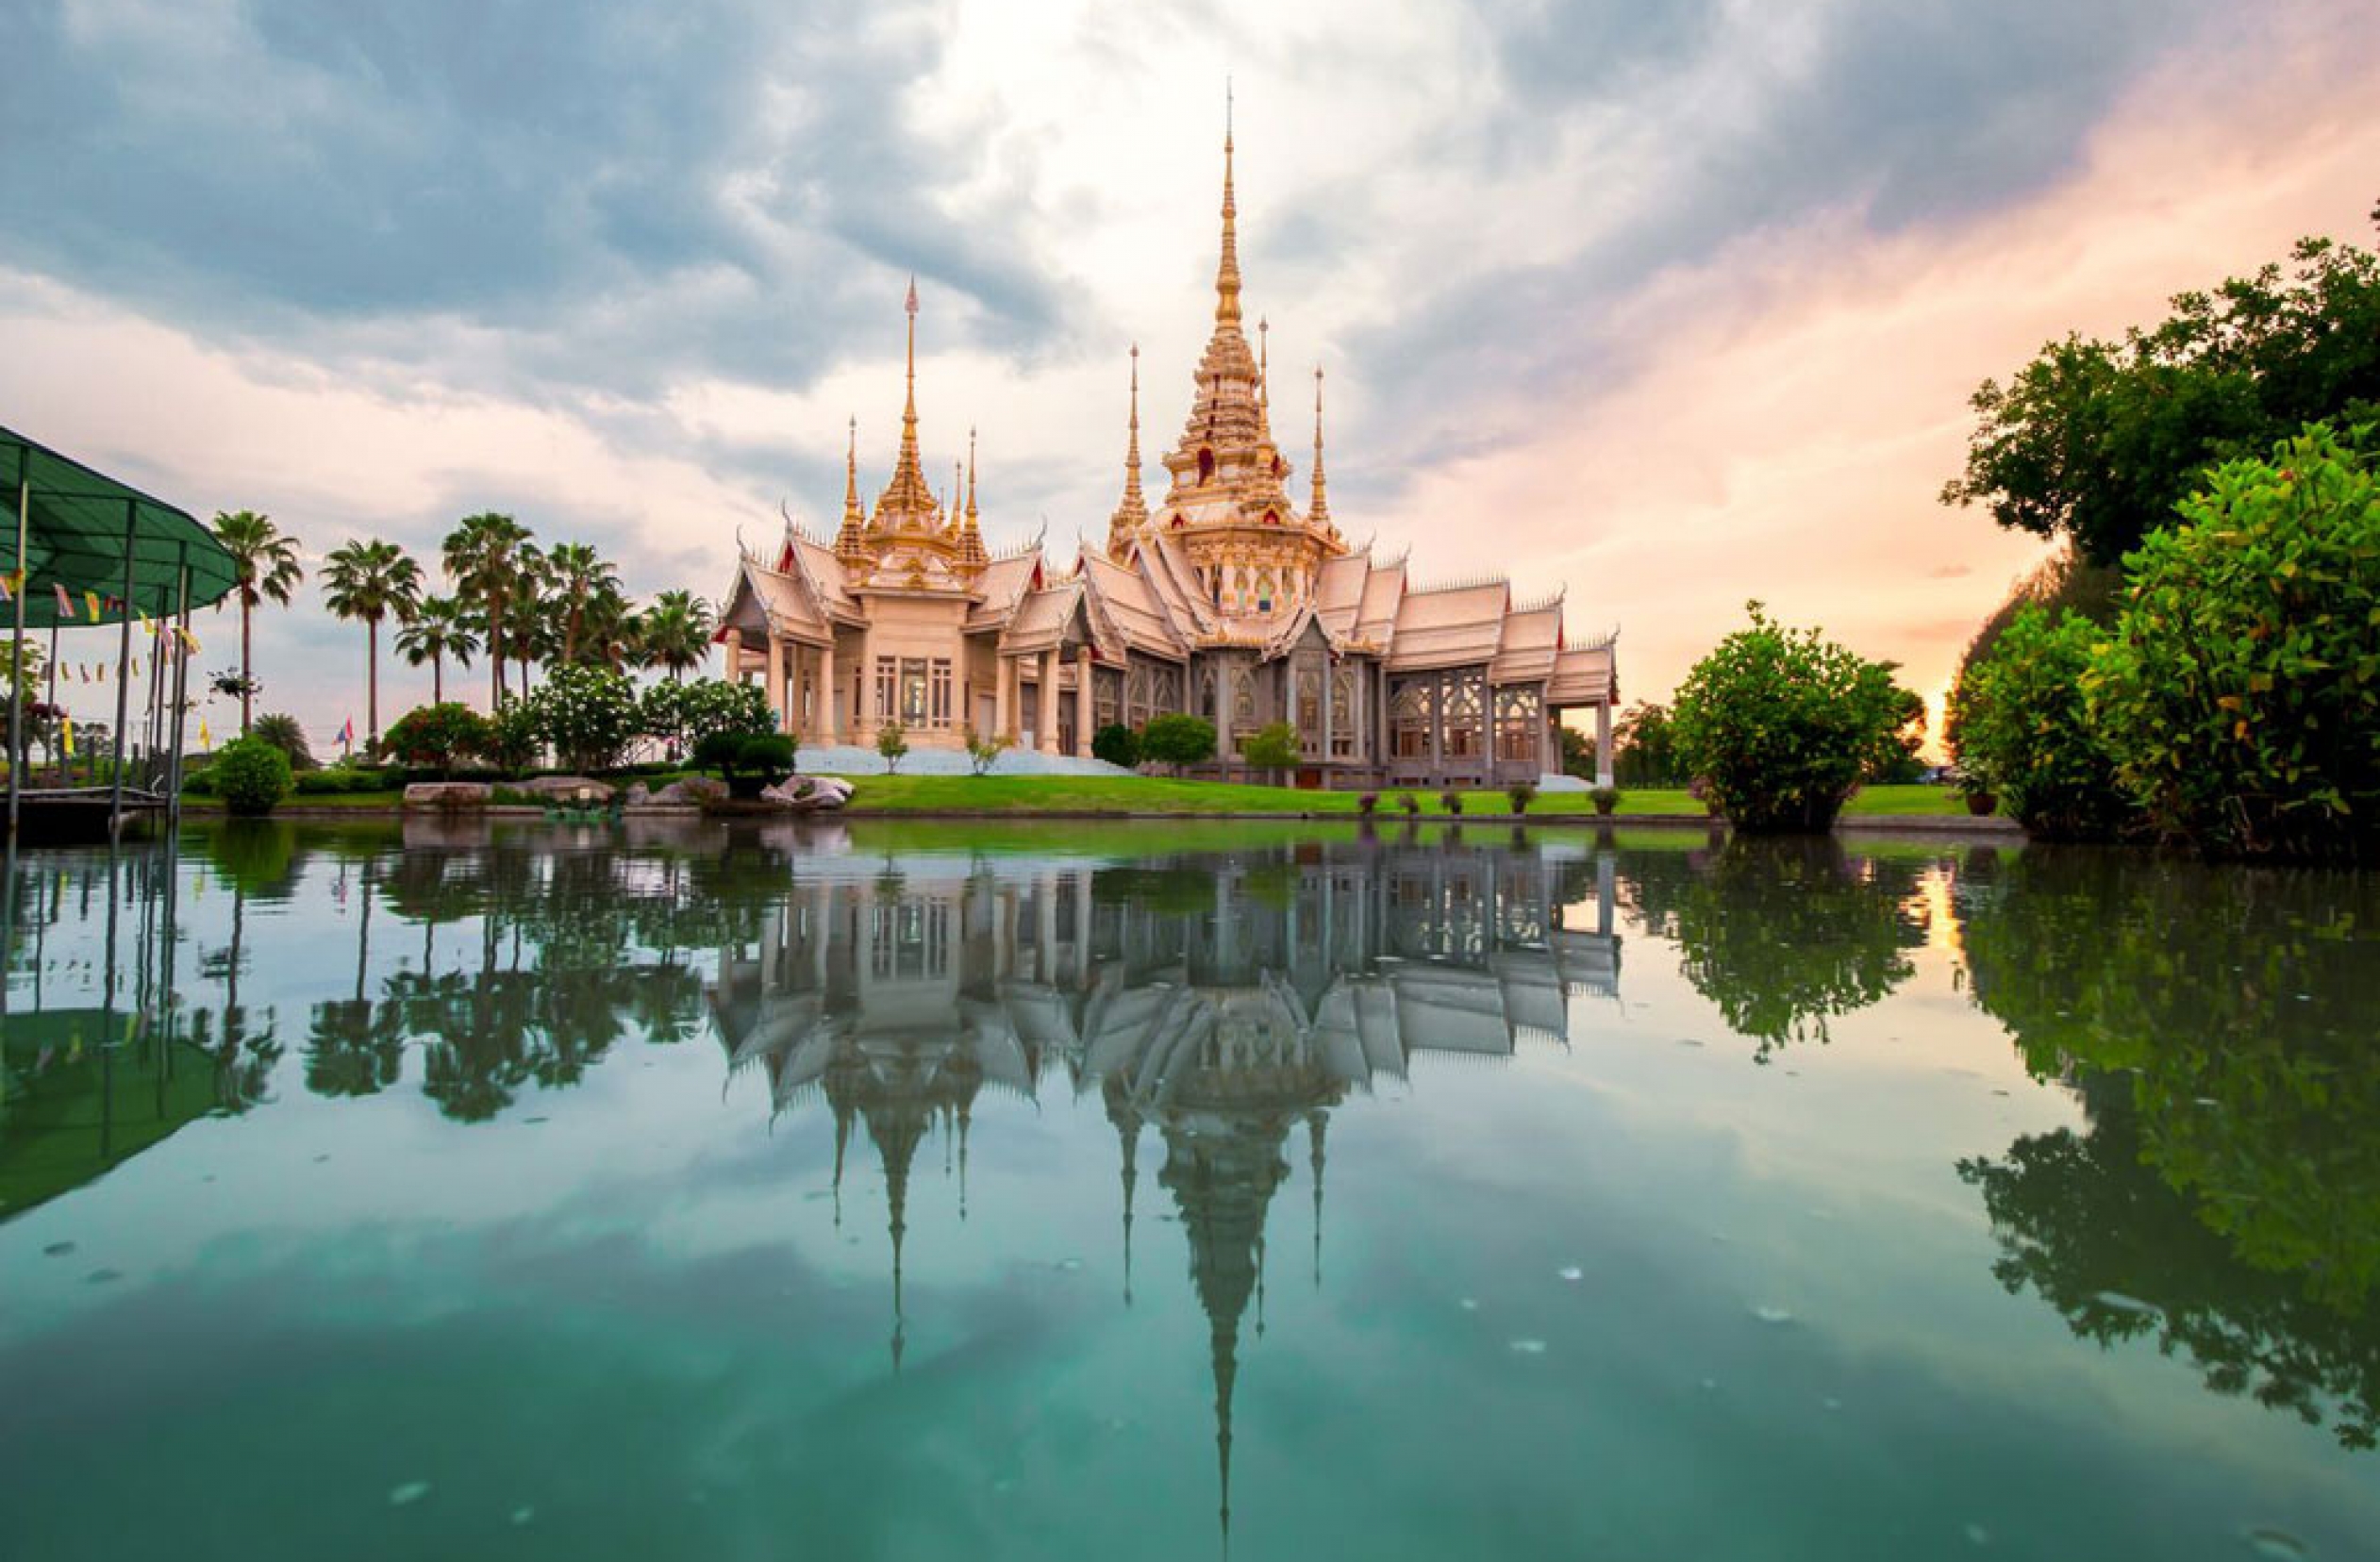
(640, 796)
(566, 789)
(446, 794)
(809, 794)
(693, 791)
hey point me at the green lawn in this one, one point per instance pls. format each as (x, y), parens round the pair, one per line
(1152, 795)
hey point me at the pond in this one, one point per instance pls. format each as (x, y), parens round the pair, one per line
(920, 1190)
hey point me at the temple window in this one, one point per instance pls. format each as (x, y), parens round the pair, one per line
(1343, 713)
(1309, 709)
(1243, 701)
(1409, 712)
(1466, 735)
(1518, 720)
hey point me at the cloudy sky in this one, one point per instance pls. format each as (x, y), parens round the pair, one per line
(1667, 305)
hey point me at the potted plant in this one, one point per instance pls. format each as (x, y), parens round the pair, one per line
(1605, 799)
(1522, 793)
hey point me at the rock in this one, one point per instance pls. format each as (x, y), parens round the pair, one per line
(639, 795)
(693, 791)
(567, 788)
(446, 794)
(809, 794)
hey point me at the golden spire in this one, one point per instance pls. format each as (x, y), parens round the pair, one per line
(1264, 362)
(1318, 513)
(1227, 273)
(907, 501)
(1133, 513)
(847, 538)
(971, 551)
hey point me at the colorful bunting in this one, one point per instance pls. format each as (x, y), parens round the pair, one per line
(65, 603)
(90, 600)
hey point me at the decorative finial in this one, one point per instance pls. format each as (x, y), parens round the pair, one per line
(1133, 513)
(847, 538)
(1319, 512)
(1227, 273)
(970, 473)
(908, 500)
(1264, 362)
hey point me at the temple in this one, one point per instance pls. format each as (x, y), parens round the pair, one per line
(1227, 599)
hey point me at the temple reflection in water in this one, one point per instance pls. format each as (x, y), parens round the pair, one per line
(1225, 1001)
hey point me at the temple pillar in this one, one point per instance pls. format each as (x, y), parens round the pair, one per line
(1603, 742)
(1084, 704)
(1330, 676)
(1045, 721)
(1004, 705)
(828, 729)
(772, 678)
(735, 655)
(863, 709)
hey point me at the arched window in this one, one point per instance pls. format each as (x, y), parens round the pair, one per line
(1206, 467)
(1271, 518)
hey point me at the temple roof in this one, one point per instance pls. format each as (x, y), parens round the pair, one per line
(1532, 638)
(1588, 675)
(1130, 601)
(1451, 626)
(1041, 616)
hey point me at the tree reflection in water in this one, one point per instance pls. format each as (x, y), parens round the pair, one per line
(2218, 1027)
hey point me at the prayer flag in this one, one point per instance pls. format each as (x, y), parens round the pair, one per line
(191, 641)
(65, 603)
(90, 600)
(6, 594)
(148, 626)
(205, 740)
(67, 731)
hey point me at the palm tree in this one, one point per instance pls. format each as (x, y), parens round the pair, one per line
(578, 573)
(528, 632)
(482, 554)
(440, 628)
(370, 581)
(674, 633)
(265, 561)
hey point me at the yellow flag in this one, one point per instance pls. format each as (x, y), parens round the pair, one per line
(90, 600)
(68, 733)
(148, 626)
(204, 740)
(192, 640)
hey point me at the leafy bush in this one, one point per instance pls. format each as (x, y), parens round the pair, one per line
(893, 746)
(767, 753)
(1522, 793)
(251, 776)
(686, 713)
(2020, 731)
(1178, 740)
(2240, 696)
(1606, 799)
(436, 737)
(1411, 804)
(1368, 803)
(513, 739)
(718, 751)
(1271, 748)
(282, 731)
(1451, 800)
(1781, 724)
(984, 751)
(588, 714)
(1116, 743)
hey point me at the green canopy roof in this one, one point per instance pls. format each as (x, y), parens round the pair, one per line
(80, 522)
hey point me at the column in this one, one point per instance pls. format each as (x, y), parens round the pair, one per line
(735, 655)
(1603, 742)
(772, 675)
(1003, 705)
(1330, 676)
(1606, 882)
(863, 709)
(1549, 737)
(1084, 704)
(829, 730)
(1046, 728)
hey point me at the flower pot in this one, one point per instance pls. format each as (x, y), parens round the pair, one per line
(1982, 805)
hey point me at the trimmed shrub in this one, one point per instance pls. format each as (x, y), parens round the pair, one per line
(1782, 725)
(1176, 739)
(251, 776)
(1451, 800)
(436, 737)
(1606, 799)
(2241, 693)
(1411, 804)
(1116, 743)
(770, 753)
(1522, 793)
(1368, 805)
(2020, 731)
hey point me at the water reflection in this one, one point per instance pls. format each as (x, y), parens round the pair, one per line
(2225, 1199)
(1225, 1003)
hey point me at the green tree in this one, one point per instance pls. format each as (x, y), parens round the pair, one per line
(2097, 442)
(436, 736)
(893, 746)
(1178, 740)
(2241, 693)
(2020, 729)
(1116, 743)
(586, 713)
(1644, 748)
(1272, 749)
(372, 581)
(1578, 752)
(284, 732)
(674, 634)
(264, 565)
(1782, 725)
(482, 556)
(577, 575)
(439, 628)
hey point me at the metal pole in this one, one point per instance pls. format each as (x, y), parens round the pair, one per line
(16, 679)
(181, 692)
(123, 665)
